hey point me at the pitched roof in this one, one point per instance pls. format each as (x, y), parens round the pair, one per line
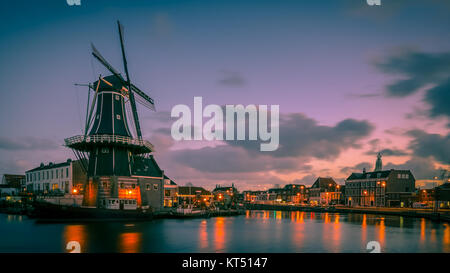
(171, 181)
(323, 182)
(51, 165)
(378, 174)
(144, 166)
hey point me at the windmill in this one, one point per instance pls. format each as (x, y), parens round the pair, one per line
(111, 156)
(127, 87)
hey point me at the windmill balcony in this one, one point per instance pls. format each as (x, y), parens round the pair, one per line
(84, 143)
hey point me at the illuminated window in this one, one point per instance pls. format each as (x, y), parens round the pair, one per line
(118, 117)
(117, 97)
(155, 187)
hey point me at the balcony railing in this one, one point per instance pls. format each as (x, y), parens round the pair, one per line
(81, 139)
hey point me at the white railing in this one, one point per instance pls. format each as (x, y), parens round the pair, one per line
(108, 139)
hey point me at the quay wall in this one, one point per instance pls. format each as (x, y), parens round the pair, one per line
(443, 215)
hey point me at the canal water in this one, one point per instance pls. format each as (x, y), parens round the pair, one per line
(255, 231)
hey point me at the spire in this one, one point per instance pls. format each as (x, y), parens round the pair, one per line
(378, 164)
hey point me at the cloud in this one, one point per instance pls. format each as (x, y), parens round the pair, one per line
(227, 158)
(14, 166)
(421, 168)
(357, 168)
(301, 136)
(434, 145)
(417, 69)
(420, 70)
(231, 79)
(439, 99)
(388, 152)
(27, 143)
(306, 180)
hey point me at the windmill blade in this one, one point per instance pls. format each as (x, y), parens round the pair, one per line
(124, 58)
(89, 119)
(105, 63)
(143, 98)
(131, 94)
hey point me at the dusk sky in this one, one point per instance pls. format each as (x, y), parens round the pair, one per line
(350, 80)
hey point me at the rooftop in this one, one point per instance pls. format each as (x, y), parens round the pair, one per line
(51, 165)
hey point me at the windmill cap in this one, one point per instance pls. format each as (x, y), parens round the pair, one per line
(109, 83)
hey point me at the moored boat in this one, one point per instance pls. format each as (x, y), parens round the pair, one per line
(60, 213)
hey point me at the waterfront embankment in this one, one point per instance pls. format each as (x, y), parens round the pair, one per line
(441, 215)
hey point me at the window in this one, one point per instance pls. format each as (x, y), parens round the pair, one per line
(378, 175)
(406, 176)
(117, 97)
(105, 150)
(118, 117)
(122, 185)
(133, 186)
(56, 173)
(155, 187)
(67, 172)
(148, 187)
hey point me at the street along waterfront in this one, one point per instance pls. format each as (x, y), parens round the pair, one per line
(255, 231)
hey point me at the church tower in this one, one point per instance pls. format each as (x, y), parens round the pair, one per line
(379, 163)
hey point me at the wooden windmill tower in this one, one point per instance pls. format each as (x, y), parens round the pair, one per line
(119, 166)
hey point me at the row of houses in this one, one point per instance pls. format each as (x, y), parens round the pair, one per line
(67, 179)
(324, 191)
(379, 188)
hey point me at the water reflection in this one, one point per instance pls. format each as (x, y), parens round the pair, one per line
(14, 218)
(447, 238)
(130, 242)
(255, 231)
(219, 232)
(203, 235)
(75, 233)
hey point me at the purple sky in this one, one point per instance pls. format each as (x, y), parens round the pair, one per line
(350, 80)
